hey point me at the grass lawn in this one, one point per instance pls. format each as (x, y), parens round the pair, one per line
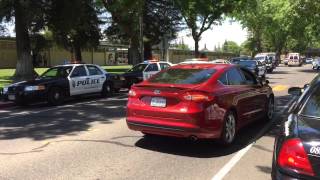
(6, 74)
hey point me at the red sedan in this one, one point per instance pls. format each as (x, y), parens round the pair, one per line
(199, 101)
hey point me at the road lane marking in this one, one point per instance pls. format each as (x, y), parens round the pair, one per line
(237, 157)
(226, 168)
(280, 88)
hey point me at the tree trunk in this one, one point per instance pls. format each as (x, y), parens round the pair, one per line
(77, 53)
(147, 51)
(196, 48)
(133, 52)
(24, 68)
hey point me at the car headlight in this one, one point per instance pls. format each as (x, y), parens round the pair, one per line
(34, 88)
(5, 90)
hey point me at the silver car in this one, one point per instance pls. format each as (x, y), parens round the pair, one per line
(316, 63)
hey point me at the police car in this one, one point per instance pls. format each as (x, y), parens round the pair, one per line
(144, 71)
(63, 81)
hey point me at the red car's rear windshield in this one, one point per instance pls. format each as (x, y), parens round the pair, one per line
(183, 76)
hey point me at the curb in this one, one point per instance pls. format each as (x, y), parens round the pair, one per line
(6, 104)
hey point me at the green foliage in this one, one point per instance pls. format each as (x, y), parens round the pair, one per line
(280, 25)
(232, 47)
(199, 16)
(75, 24)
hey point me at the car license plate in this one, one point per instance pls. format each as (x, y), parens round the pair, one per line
(12, 97)
(158, 102)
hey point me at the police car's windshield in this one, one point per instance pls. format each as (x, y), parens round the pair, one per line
(260, 58)
(57, 72)
(138, 68)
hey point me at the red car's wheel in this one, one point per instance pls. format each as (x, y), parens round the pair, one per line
(229, 129)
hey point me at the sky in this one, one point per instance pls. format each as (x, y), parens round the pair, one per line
(230, 31)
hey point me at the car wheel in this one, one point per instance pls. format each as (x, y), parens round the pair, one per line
(106, 90)
(229, 129)
(56, 96)
(270, 109)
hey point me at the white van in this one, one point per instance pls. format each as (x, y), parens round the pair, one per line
(294, 59)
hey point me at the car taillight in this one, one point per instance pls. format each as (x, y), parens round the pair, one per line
(293, 157)
(197, 97)
(132, 93)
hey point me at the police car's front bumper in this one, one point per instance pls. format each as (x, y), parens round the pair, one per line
(25, 96)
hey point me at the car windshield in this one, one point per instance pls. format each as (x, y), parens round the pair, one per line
(260, 58)
(183, 76)
(57, 72)
(246, 63)
(312, 106)
(138, 68)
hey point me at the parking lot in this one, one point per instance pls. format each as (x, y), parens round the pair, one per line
(88, 138)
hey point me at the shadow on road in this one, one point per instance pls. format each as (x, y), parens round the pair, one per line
(309, 71)
(280, 72)
(210, 149)
(68, 120)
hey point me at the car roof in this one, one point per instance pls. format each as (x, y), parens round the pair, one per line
(77, 64)
(204, 66)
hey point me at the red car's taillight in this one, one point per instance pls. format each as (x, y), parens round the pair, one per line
(197, 97)
(293, 157)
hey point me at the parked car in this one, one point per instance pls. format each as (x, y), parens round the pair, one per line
(316, 63)
(255, 67)
(268, 59)
(63, 81)
(285, 61)
(236, 59)
(309, 60)
(297, 146)
(220, 61)
(199, 101)
(196, 61)
(143, 71)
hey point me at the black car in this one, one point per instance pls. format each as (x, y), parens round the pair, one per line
(143, 71)
(237, 59)
(297, 147)
(255, 67)
(63, 81)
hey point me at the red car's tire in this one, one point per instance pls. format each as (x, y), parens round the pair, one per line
(229, 129)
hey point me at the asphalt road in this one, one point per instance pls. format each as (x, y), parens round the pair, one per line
(89, 139)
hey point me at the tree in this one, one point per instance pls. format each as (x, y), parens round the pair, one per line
(160, 19)
(182, 46)
(75, 25)
(199, 16)
(28, 16)
(231, 46)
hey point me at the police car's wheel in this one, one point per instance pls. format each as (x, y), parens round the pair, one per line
(56, 96)
(106, 90)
